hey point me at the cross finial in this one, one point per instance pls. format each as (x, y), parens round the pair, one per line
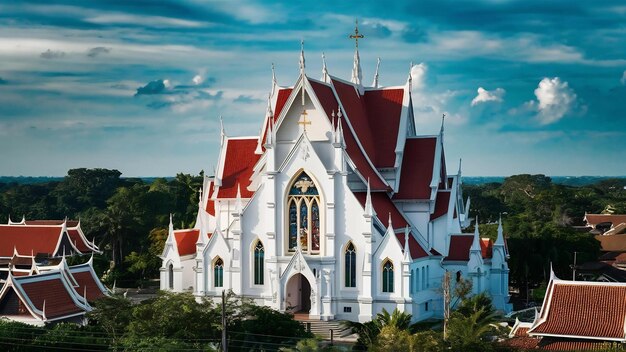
(356, 36)
(304, 120)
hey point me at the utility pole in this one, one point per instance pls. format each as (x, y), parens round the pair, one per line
(446, 303)
(574, 267)
(224, 345)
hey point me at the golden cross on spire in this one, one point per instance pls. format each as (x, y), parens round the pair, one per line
(304, 120)
(356, 36)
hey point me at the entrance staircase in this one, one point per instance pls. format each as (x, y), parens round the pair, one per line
(322, 328)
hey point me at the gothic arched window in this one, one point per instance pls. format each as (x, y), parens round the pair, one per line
(387, 276)
(259, 258)
(350, 269)
(303, 213)
(218, 272)
(170, 272)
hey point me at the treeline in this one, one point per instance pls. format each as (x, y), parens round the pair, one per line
(127, 217)
(542, 222)
(168, 322)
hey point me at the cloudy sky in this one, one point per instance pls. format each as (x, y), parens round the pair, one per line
(528, 86)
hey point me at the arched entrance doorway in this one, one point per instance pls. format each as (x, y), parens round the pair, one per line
(298, 294)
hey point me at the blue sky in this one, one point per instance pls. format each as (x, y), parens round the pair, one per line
(528, 86)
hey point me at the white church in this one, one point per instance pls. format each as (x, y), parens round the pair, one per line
(337, 209)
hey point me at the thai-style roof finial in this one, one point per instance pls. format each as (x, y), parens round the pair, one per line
(324, 69)
(375, 83)
(357, 75)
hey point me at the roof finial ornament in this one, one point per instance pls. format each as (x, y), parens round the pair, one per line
(407, 249)
(410, 78)
(357, 75)
(375, 83)
(302, 63)
(443, 118)
(222, 131)
(274, 81)
(324, 69)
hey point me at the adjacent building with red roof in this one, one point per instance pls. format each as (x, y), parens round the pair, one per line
(580, 315)
(337, 208)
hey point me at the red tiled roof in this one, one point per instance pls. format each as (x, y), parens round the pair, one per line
(70, 223)
(415, 248)
(384, 107)
(417, 168)
(521, 343)
(238, 167)
(281, 99)
(361, 163)
(486, 247)
(441, 204)
(595, 219)
(460, 247)
(434, 252)
(602, 308)
(27, 239)
(86, 280)
(521, 332)
(59, 301)
(327, 98)
(186, 241)
(283, 95)
(210, 204)
(383, 206)
(78, 241)
(353, 105)
(561, 344)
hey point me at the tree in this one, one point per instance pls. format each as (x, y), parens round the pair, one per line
(113, 315)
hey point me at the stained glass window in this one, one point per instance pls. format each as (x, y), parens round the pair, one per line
(259, 256)
(218, 271)
(350, 270)
(293, 225)
(388, 276)
(304, 215)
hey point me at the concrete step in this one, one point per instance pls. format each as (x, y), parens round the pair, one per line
(322, 328)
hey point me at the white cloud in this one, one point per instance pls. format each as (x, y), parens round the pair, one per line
(418, 74)
(197, 79)
(487, 96)
(555, 99)
(623, 80)
(150, 21)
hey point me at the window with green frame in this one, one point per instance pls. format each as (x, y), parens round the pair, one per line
(259, 258)
(387, 276)
(350, 262)
(218, 272)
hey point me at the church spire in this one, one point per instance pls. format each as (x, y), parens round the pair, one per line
(274, 81)
(500, 238)
(324, 69)
(222, 131)
(407, 249)
(476, 242)
(375, 83)
(409, 79)
(357, 75)
(302, 63)
(369, 208)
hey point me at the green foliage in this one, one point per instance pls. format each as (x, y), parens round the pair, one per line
(538, 216)
(176, 316)
(120, 214)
